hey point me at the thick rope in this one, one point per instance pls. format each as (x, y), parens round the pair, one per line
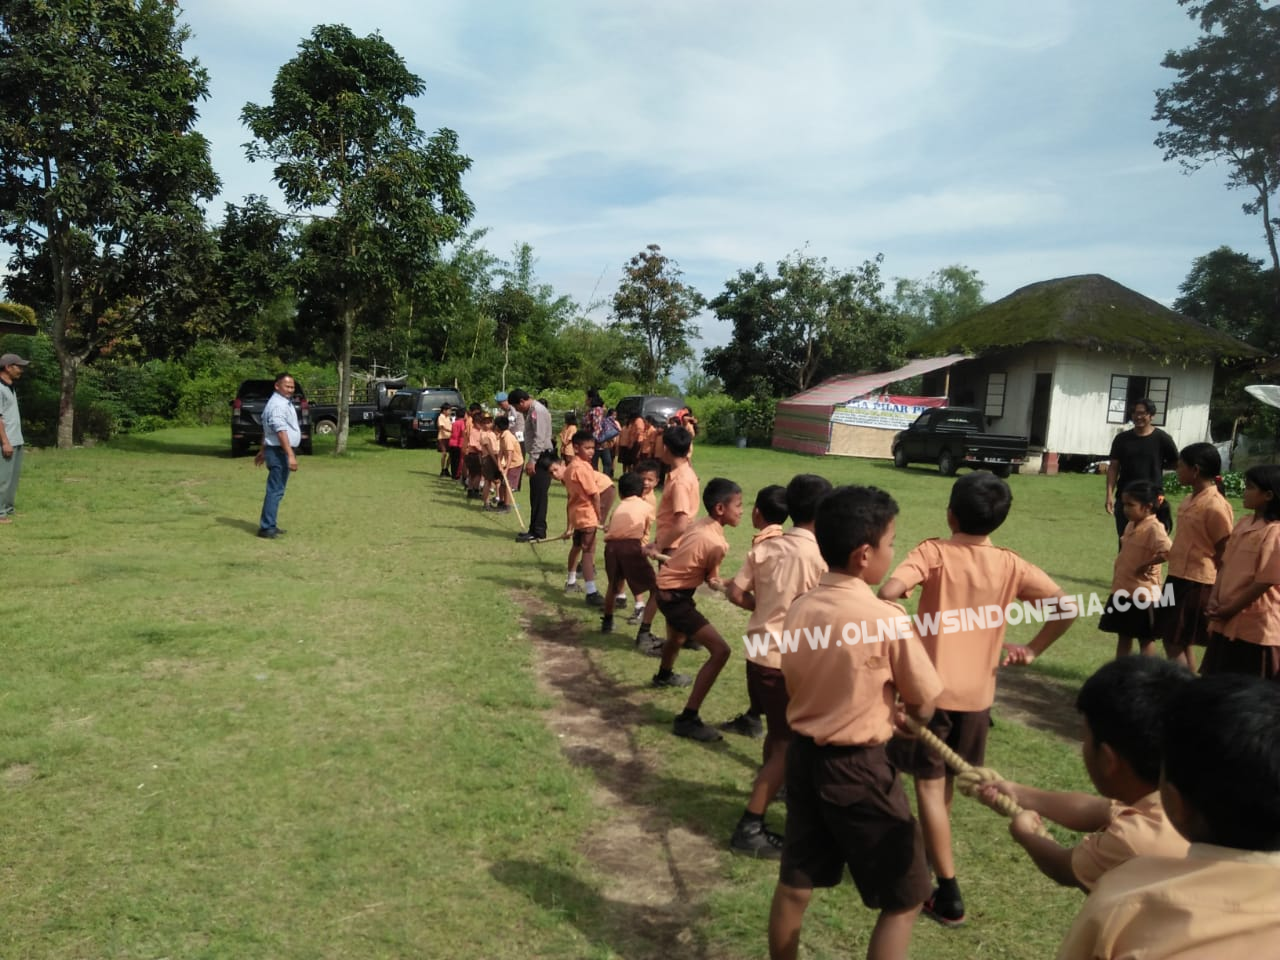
(969, 779)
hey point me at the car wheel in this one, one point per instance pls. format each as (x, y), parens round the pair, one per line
(946, 464)
(326, 427)
(899, 457)
(405, 441)
(1001, 470)
(379, 434)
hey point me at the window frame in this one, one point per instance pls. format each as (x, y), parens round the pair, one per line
(989, 407)
(1121, 393)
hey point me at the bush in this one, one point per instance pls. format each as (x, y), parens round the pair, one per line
(1232, 486)
(724, 419)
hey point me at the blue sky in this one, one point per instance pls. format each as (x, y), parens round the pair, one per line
(1014, 138)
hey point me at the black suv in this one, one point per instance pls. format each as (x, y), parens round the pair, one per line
(246, 415)
(657, 410)
(410, 416)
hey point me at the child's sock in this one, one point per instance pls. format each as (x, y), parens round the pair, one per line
(591, 586)
(663, 673)
(948, 887)
(687, 714)
(573, 578)
(644, 627)
(749, 817)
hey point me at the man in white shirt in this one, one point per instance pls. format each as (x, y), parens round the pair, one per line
(280, 436)
(12, 368)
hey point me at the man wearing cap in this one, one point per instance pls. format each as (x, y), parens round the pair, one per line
(540, 454)
(517, 422)
(12, 368)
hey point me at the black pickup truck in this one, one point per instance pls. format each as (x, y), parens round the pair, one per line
(954, 437)
(366, 403)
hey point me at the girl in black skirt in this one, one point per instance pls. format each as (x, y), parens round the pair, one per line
(1135, 581)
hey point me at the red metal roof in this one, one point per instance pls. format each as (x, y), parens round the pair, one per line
(843, 389)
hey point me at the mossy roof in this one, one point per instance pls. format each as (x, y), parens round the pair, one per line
(1090, 311)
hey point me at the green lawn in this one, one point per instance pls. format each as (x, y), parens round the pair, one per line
(343, 743)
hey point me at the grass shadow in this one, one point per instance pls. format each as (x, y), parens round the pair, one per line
(158, 443)
(239, 523)
(1038, 701)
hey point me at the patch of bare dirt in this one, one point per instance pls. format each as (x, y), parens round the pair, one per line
(17, 774)
(1037, 701)
(650, 872)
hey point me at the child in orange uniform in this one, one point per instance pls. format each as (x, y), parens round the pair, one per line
(1135, 582)
(587, 505)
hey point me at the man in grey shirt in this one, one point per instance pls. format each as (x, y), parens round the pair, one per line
(540, 453)
(280, 436)
(12, 368)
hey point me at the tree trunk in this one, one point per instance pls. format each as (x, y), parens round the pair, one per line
(70, 367)
(1269, 226)
(348, 318)
(506, 358)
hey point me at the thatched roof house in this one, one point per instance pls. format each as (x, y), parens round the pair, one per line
(1061, 360)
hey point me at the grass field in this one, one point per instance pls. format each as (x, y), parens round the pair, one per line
(387, 734)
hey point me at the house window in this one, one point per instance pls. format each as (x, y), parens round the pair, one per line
(995, 394)
(1126, 391)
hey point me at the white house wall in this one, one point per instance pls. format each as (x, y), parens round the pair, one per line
(1081, 388)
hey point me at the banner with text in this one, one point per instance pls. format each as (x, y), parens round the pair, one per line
(884, 411)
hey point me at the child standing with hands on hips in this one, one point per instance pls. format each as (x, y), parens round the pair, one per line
(1143, 548)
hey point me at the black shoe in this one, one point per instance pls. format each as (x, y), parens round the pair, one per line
(672, 680)
(648, 644)
(947, 910)
(606, 624)
(694, 729)
(594, 599)
(526, 537)
(754, 839)
(744, 724)
(268, 534)
(693, 645)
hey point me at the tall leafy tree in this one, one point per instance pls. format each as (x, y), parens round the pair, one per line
(101, 172)
(1225, 104)
(807, 322)
(943, 297)
(655, 310)
(347, 150)
(1230, 291)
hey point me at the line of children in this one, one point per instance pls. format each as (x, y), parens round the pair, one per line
(1204, 523)
(1122, 707)
(779, 568)
(845, 804)
(1244, 604)
(695, 560)
(1220, 788)
(965, 572)
(1144, 546)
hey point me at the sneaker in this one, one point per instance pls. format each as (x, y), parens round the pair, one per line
(648, 644)
(620, 600)
(694, 729)
(636, 614)
(606, 624)
(947, 910)
(594, 599)
(572, 587)
(754, 839)
(745, 725)
(675, 680)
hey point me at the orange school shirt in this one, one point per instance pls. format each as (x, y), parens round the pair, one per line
(1140, 542)
(509, 453)
(582, 481)
(679, 495)
(1141, 830)
(963, 573)
(631, 520)
(696, 556)
(1216, 903)
(444, 423)
(471, 437)
(651, 500)
(844, 695)
(488, 442)
(566, 442)
(1204, 519)
(1252, 556)
(779, 567)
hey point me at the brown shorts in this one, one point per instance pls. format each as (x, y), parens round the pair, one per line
(681, 612)
(1224, 655)
(1185, 623)
(846, 806)
(585, 538)
(491, 470)
(472, 461)
(513, 477)
(964, 731)
(767, 694)
(624, 560)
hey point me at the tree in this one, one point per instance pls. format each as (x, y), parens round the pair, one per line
(943, 297)
(101, 172)
(348, 151)
(655, 310)
(1231, 292)
(1225, 104)
(808, 322)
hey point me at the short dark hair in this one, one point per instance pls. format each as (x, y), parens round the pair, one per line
(1143, 491)
(1123, 703)
(1222, 753)
(847, 518)
(771, 501)
(718, 490)
(804, 493)
(502, 423)
(474, 407)
(1146, 403)
(678, 440)
(1266, 477)
(571, 418)
(630, 485)
(517, 396)
(980, 503)
(285, 373)
(583, 436)
(648, 465)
